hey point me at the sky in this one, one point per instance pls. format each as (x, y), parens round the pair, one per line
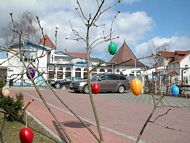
(145, 25)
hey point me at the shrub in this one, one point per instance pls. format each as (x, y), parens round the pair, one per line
(11, 106)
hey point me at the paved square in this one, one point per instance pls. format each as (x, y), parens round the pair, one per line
(121, 115)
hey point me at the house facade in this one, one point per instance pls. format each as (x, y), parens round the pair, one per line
(3, 65)
(66, 64)
(176, 65)
(31, 54)
(58, 65)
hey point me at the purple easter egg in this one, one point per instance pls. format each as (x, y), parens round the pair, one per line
(30, 73)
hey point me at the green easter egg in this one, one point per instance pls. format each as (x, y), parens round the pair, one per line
(112, 48)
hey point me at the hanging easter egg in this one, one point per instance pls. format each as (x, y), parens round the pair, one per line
(5, 91)
(26, 135)
(136, 86)
(112, 48)
(30, 72)
(95, 88)
(175, 90)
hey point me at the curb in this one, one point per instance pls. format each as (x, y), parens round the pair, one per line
(58, 139)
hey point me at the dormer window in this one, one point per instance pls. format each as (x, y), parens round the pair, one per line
(29, 56)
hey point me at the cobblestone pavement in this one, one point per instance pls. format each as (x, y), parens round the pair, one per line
(122, 116)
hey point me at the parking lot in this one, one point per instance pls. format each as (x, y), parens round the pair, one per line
(123, 114)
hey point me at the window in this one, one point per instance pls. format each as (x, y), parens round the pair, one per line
(111, 77)
(68, 72)
(103, 77)
(29, 56)
(60, 73)
(85, 73)
(94, 72)
(102, 70)
(122, 78)
(78, 72)
(109, 70)
(185, 79)
(51, 72)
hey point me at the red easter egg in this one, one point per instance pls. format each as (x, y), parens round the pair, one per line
(26, 135)
(95, 88)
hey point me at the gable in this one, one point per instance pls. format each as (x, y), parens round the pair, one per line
(46, 41)
(125, 57)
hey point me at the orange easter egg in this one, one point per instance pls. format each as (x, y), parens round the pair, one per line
(136, 86)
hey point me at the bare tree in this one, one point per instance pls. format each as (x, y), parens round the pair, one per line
(90, 21)
(23, 31)
(26, 26)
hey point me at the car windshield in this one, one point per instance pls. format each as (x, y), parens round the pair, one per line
(95, 77)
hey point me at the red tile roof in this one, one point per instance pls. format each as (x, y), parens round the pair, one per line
(77, 54)
(166, 54)
(182, 52)
(177, 55)
(47, 42)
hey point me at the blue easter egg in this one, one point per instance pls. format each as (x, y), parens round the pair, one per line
(175, 90)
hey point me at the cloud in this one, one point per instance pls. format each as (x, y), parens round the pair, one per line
(131, 26)
(163, 43)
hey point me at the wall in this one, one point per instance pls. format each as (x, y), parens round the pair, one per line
(15, 67)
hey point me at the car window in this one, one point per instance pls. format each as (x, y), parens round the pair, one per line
(111, 77)
(95, 77)
(77, 78)
(68, 79)
(104, 77)
(122, 78)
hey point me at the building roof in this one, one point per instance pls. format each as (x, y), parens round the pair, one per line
(47, 42)
(166, 54)
(125, 57)
(176, 56)
(182, 52)
(78, 55)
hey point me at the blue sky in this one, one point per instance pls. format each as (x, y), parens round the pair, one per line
(146, 25)
(171, 16)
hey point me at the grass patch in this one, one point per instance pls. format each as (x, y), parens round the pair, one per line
(11, 131)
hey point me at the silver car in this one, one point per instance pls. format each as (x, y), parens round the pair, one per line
(108, 82)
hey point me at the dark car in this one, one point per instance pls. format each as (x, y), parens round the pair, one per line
(65, 82)
(108, 82)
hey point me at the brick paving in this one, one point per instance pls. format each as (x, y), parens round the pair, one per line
(122, 116)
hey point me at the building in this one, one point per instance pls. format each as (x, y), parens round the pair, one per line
(22, 56)
(3, 65)
(58, 65)
(125, 62)
(177, 65)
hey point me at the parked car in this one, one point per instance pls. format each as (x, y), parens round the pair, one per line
(65, 82)
(108, 82)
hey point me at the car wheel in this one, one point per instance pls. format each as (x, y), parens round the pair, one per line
(57, 85)
(85, 89)
(121, 89)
